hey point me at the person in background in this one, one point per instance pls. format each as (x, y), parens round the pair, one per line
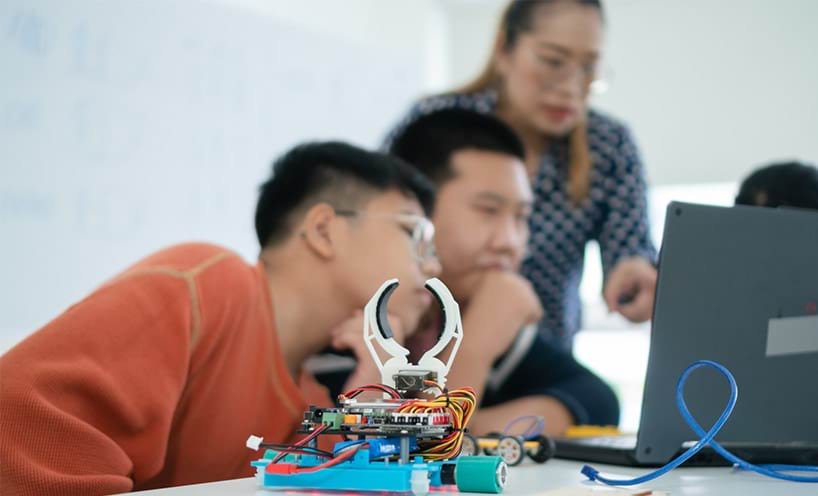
(584, 167)
(481, 219)
(158, 377)
(782, 184)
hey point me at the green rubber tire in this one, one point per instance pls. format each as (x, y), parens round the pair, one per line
(480, 474)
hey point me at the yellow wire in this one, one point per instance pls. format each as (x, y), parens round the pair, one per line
(460, 403)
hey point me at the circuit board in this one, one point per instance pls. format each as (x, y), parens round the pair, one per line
(378, 418)
(407, 438)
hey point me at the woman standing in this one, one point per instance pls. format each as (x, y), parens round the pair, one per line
(584, 167)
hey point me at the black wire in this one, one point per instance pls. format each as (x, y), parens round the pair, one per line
(303, 450)
(286, 448)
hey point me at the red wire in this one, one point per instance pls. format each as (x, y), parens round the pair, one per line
(335, 461)
(373, 387)
(313, 434)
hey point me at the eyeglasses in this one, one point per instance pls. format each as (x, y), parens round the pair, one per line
(554, 69)
(420, 229)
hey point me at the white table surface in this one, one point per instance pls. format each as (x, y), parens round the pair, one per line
(533, 479)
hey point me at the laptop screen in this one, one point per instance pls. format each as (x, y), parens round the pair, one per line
(738, 286)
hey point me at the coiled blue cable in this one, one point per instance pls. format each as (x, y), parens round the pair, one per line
(707, 438)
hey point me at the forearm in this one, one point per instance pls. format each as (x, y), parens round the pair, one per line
(473, 364)
(46, 450)
(495, 418)
(76, 393)
(471, 368)
(364, 373)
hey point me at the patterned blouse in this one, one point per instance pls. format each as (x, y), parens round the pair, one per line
(614, 213)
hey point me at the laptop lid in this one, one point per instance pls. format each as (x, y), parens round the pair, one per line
(738, 286)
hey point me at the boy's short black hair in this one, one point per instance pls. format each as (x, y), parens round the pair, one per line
(783, 184)
(429, 142)
(337, 173)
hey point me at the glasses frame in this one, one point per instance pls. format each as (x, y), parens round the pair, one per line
(597, 81)
(423, 231)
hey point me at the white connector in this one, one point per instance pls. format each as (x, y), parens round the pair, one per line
(419, 481)
(254, 442)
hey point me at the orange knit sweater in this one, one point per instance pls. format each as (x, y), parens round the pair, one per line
(155, 379)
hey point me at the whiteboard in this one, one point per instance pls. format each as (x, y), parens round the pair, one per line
(129, 126)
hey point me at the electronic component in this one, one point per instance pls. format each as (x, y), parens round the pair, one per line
(413, 380)
(360, 473)
(393, 442)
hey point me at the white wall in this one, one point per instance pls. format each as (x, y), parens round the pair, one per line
(710, 88)
(416, 29)
(128, 126)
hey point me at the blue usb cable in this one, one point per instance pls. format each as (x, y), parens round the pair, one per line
(707, 438)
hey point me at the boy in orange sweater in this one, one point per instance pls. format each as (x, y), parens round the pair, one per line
(157, 378)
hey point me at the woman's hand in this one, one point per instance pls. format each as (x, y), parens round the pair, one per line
(630, 289)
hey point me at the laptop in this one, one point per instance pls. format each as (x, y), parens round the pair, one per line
(738, 286)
